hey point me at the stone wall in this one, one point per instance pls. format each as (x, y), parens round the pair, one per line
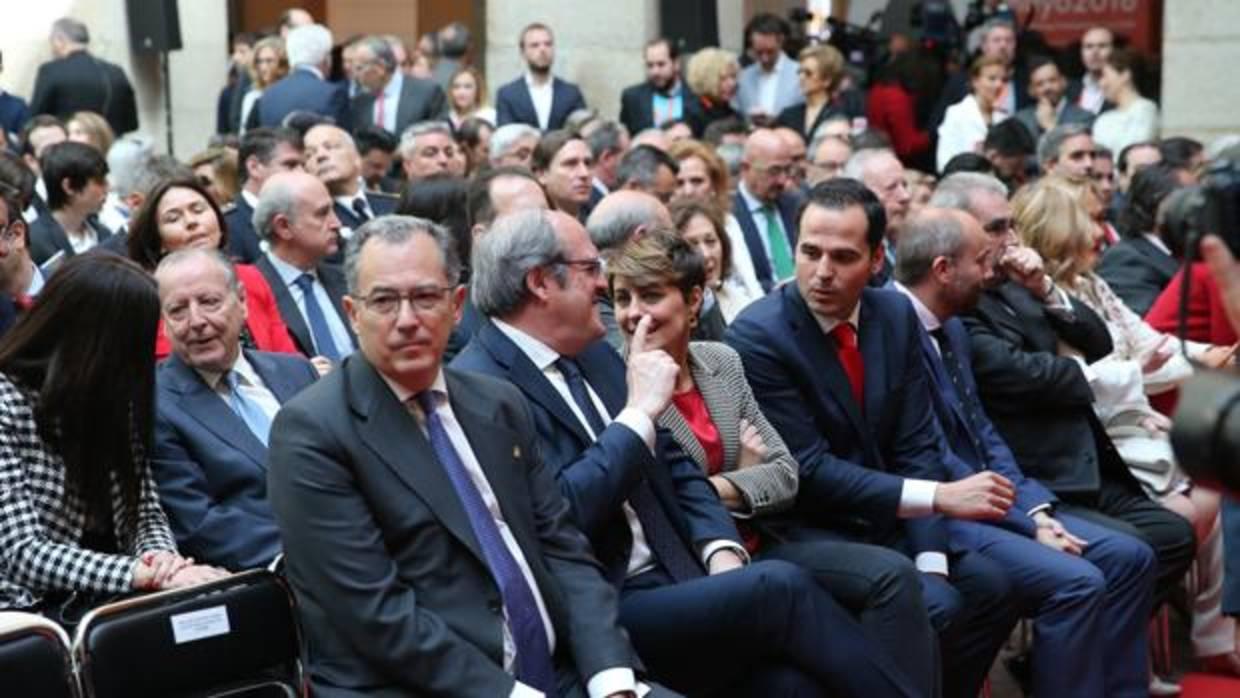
(1201, 44)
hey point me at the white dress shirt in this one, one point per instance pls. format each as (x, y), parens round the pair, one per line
(963, 130)
(289, 275)
(916, 496)
(1091, 94)
(347, 202)
(768, 86)
(541, 96)
(602, 684)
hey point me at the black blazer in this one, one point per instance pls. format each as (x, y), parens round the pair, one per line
(637, 108)
(332, 278)
(1137, 271)
(755, 233)
(378, 546)
(47, 238)
(82, 82)
(513, 103)
(1041, 401)
(420, 100)
(302, 90)
(794, 118)
(243, 243)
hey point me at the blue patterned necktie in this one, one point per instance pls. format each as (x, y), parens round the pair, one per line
(249, 411)
(533, 662)
(319, 330)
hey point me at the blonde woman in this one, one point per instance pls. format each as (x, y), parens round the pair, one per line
(467, 97)
(268, 64)
(92, 129)
(820, 72)
(711, 74)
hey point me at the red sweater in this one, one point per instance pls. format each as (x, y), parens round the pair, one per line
(1207, 318)
(892, 109)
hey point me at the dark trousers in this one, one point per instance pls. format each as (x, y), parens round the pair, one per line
(765, 630)
(1129, 511)
(880, 586)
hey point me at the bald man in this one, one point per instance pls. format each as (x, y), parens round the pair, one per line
(331, 155)
(764, 207)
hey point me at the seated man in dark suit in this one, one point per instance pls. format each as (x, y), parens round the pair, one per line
(213, 415)
(1143, 262)
(702, 619)
(389, 98)
(1048, 86)
(331, 155)
(835, 367)
(1087, 588)
(264, 152)
(78, 81)
(765, 211)
(305, 88)
(425, 540)
(75, 175)
(294, 217)
(537, 98)
(663, 97)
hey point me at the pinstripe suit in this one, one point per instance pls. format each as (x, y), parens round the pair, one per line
(878, 584)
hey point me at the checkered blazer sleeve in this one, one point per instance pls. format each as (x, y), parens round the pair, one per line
(152, 531)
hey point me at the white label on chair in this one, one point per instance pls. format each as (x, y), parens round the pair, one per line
(197, 625)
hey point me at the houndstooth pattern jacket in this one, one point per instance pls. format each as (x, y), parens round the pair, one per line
(41, 525)
(767, 487)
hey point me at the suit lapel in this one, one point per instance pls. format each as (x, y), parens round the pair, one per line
(1163, 261)
(526, 103)
(210, 410)
(646, 107)
(405, 105)
(819, 352)
(720, 403)
(334, 282)
(276, 380)
(287, 306)
(559, 102)
(753, 240)
(942, 382)
(871, 337)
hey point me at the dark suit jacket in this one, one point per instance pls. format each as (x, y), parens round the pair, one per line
(1138, 271)
(332, 278)
(243, 243)
(598, 475)
(81, 82)
(755, 233)
(1071, 114)
(391, 581)
(380, 204)
(976, 445)
(211, 469)
(794, 118)
(302, 90)
(513, 103)
(637, 108)
(47, 238)
(1041, 401)
(14, 113)
(420, 100)
(853, 458)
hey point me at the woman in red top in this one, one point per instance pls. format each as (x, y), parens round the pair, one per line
(891, 107)
(179, 213)
(657, 284)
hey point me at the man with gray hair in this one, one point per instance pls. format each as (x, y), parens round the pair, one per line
(608, 143)
(1089, 602)
(882, 173)
(650, 170)
(295, 218)
(427, 148)
(1067, 150)
(828, 154)
(513, 145)
(306, 88)
(389, 98)
(331, 155)
(126, 158)
(74, 80)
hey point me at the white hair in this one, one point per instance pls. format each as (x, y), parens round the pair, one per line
(861, 160)
(309, 44)
(506, 136)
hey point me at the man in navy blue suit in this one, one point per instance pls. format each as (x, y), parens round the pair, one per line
(765, 211)
(537, 98)
(662, 97)
(702, 618)
(331, 155)
(264, 152)
(214, 408)
(836, 367)
(1089, 589)
(306, 88)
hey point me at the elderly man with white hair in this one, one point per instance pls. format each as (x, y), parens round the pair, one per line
(305, 88)
(513, 144)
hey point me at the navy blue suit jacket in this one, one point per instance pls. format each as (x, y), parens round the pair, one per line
(598, 475)
(513, 104)
(979, 446)
(211, 469)
(755, 233)
(302, 90)
(381, 204)
(14, 113)
(853, 458)
(242, 238)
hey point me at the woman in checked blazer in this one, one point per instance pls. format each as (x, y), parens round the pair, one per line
(79, 514)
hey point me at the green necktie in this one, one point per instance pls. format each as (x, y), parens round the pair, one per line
(781, 255)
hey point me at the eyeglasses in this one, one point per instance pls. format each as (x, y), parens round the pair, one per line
(999, 226)
(425, 299)
(592, 267)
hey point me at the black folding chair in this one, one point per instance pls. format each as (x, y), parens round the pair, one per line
(34, 657)
(235, 637)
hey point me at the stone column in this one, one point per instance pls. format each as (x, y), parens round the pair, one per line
(1201, 44)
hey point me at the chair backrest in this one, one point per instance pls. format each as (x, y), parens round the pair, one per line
(212, 639)
(34, 657)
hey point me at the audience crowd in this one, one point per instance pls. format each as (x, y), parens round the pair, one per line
(791, 380)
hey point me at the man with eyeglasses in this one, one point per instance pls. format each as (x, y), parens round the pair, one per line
(828, 156)
(764, 208)
(389, 98)
(415, 507)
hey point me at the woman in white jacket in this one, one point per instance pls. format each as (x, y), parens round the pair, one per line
(966, 122)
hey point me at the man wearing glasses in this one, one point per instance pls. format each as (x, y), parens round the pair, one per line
(765, 210)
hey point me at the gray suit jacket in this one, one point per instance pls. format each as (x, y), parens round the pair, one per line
(420, 100)
(1071, 114)
(787, 91)
(768, 487)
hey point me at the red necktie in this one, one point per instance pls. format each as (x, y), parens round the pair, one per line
(24, 302)
(379, 110)
(850, 358)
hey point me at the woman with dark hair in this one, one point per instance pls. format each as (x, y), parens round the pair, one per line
(966, 122)
(700, 222)
(891, 107)
(180, 213)
(1140, 266)
(79, 516)
(1134, 118)
(440, 198)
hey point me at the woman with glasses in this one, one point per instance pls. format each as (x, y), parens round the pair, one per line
(821, 68)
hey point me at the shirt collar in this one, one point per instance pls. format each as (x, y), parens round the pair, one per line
(250, 198)
(1157, 242)
(392, 89)
(752, 202)
(347, 201)
(404, 395)
(311, 69)
(529, 82)
(929, 320)
(288, 273)
(538, 352)
(828, 325)
(36, 280)
(241, 366)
